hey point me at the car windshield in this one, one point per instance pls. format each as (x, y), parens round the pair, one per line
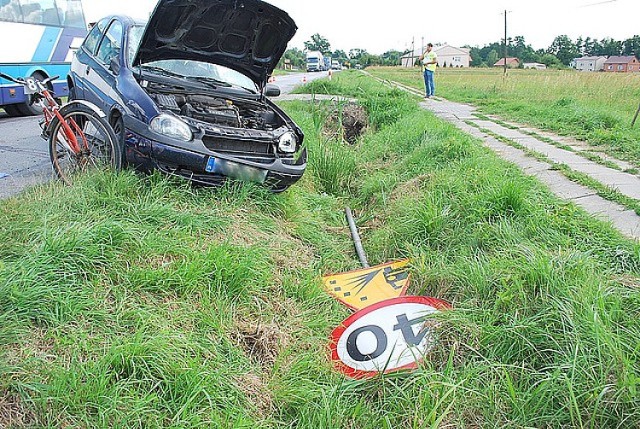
(198, 70)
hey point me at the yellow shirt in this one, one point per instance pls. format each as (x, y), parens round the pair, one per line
(430, 56)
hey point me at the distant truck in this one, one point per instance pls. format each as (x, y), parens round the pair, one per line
(335, 65)
(315, 61)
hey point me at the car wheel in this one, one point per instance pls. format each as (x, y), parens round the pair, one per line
(12, 110)
(33, 109)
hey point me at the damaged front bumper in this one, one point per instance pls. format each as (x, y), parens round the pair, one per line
(208, 167)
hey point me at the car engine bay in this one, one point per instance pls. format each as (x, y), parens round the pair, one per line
(221, 111)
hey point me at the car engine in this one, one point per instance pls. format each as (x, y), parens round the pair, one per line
(219, 111)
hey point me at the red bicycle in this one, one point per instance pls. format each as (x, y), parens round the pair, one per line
(78, 134)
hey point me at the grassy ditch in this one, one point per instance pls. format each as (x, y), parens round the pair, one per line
(132, 301)
(595, 107)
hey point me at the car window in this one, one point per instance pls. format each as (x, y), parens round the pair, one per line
(111, 43)
(94, 36)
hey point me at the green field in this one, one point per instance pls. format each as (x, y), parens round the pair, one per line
(138, 302)
(596, 107)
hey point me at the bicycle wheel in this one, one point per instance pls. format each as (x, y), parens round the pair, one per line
(81, 142)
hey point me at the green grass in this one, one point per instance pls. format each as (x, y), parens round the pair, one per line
(606, 192)
(595, 107)
(132, 301)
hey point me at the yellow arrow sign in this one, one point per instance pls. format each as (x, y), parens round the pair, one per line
(362, 288)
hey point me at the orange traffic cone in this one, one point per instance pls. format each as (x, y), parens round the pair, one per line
(330, 73)
(304, 79)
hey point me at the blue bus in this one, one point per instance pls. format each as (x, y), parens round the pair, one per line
(39, 38)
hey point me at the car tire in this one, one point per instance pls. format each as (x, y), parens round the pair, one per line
(31, 110)
(12, 110)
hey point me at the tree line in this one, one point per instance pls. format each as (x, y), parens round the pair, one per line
(297, 57)
(560, 53)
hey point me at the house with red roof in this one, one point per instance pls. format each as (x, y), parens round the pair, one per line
(512, 63)
(616, 64)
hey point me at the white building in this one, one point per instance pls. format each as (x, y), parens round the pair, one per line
(536, 66)
(448, 56)
(589, 63)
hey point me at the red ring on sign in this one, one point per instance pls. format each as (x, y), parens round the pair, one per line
(337, 333)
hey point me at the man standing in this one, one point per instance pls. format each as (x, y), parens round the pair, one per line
(429, 61)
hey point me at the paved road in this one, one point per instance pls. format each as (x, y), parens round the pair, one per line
(24, 156)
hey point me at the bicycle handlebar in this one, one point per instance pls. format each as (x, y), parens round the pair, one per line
(12, 79)
(22, 81)
(49, 79)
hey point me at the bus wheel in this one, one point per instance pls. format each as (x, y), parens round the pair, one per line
(12, 110)
(34, 109)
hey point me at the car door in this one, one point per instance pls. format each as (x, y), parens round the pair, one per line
(99, 77)
(84, 58)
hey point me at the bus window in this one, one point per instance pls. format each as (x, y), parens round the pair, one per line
(40, 12)
(71, 14)
(10, 11)
(58, 13)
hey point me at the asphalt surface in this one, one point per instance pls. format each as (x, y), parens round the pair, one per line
(24, 155)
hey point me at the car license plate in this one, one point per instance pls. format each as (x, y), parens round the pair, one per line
(235, 170)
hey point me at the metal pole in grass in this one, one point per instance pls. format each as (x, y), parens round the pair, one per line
(356, 239)
(635, 117)
(505, 42)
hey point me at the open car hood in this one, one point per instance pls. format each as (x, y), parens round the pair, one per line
(248, 36)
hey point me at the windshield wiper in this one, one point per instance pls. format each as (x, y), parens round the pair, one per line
(162, 71)
(214, 83)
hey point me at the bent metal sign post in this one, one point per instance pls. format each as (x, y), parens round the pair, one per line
(388, 336)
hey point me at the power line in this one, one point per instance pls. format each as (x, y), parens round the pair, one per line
(597, 4)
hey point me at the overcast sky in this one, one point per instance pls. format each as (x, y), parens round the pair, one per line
(379, 26)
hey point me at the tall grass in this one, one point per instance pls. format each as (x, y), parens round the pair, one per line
(131, 301)
(596, 107)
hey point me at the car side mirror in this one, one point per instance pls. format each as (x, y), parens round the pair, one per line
(114, 65)
(272, 90)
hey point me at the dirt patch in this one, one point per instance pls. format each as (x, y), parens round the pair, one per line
(13, 413)
(257, 392)
(261, 342)
(413, 189)
(346, 122)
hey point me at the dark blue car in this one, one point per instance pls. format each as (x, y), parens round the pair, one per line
(186, 93)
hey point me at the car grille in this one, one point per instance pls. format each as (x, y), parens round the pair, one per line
(238, 147)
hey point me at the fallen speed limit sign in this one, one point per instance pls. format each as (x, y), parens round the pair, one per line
(385, 337)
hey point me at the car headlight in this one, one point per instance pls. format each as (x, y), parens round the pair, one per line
(288, 142)
(170, 126)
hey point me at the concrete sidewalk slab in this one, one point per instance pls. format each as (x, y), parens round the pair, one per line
(624, 220)
(625, 183)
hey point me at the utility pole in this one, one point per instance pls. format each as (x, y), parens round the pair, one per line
(635, 117)
(505, 42)
(413, 51)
